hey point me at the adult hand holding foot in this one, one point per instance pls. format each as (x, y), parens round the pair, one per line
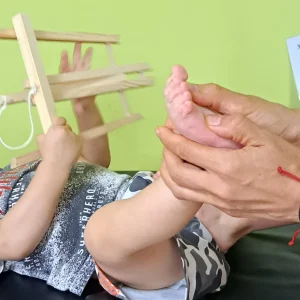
(277, 118)
(244, 182)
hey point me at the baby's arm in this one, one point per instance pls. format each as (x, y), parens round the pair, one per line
(132, 240)
(95, 151)
(24, 225)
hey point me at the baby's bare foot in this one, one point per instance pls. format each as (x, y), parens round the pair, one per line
(186, 116)
(225, 230)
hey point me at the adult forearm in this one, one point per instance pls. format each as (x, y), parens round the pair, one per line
(96, 150)
(24, 226)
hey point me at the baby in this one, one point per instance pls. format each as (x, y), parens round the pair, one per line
(63, 222)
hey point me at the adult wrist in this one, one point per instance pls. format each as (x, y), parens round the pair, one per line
(292, 189)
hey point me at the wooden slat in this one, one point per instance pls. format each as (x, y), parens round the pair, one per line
(30, 157)
(88, 134)
(17, 97)
(93, 74)
(86, 88)
(108, 127)
(35, 71)
(24, 159)
(51, 36)
(90, 88)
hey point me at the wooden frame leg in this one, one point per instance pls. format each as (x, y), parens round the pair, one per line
(35, 70)
(23, 160)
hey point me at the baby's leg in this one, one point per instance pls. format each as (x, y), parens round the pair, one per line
(227, 230)
(187, 117)
(148, 247)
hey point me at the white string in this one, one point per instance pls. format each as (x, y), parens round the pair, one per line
(3, 104)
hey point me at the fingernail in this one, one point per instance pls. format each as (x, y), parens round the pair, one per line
(213, 120)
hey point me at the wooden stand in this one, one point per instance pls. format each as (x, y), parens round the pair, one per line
(70, 85)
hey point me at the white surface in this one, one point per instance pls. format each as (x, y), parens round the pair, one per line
(293, 45)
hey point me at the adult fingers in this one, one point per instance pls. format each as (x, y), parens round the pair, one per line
(186, 180)
(220, 99)
(186, 194)
(202, 196)
(209, 158)
(196, 179)
(178, 191)
(237, 128)
(185, 174)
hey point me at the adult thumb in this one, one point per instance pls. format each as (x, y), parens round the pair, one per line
(237, 128)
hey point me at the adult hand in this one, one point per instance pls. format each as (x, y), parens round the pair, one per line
(79, 63)
(243, 182)
(274, 117)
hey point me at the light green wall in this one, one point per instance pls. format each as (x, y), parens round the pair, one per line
(238, 44)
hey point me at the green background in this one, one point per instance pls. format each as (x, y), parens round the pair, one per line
(237, 44)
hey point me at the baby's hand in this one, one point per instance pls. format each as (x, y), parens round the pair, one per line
(79, 63)
(60, 145)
